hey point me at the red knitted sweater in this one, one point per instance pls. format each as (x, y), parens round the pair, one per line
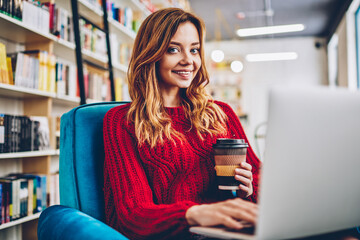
(147, 191)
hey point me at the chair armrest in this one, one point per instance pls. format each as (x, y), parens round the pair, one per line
(64, 223)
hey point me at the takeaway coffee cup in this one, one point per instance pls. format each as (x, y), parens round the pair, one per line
(228, 154)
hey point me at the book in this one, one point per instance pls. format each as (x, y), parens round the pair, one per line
(118, 89)
(5, 211)
(51, 82)
(4, 73)
(34, 191)
(10, 71)
(9, 212)
(36, 16)
(24, 197)
(40, 133)
(2, 133)
(30, 207)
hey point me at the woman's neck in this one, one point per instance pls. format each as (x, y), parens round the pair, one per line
(171, 99)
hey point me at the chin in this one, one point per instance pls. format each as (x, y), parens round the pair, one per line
(185, 85)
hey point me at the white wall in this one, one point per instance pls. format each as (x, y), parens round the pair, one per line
(310, 69)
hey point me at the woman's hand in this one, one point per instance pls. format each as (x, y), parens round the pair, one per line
(227, 213)
(244, 175)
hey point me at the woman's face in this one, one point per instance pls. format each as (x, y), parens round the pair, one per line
(181, 62)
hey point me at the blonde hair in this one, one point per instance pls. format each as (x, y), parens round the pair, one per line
(147, 110)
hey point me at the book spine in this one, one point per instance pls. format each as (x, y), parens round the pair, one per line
(2, 133)
(30, 207)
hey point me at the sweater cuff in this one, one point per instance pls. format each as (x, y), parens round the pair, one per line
(183, 222)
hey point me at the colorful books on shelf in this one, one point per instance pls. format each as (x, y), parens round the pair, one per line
(23, 194)
(60, 22)
(23, 133)
(66, 79)
(124, 15)
(12, 8)
(120, 51)
(121, 90)
(97, 84)
(92, 38)
(34, 69)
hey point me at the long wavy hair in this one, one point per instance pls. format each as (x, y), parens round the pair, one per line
(147, 111)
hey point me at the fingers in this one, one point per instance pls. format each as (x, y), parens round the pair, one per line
(231, 222)
(243, 172)
(242, 210)
(228, 213)
(246, 166)
(247, 190)
(243, 180)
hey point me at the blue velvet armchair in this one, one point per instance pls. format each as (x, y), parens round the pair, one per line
(81, 213)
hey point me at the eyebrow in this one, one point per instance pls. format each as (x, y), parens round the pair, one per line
(179, 44)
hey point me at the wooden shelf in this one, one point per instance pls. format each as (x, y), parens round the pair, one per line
(51, 152)
(66, 100)
(20, 221)
(22, 92)
(90, 12)
(140, 6)
(94, 57)
(15, 30)
(116, 26)
(120, 67)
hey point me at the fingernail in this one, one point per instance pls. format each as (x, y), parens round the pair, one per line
(239, 225)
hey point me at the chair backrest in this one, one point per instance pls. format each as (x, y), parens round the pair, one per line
(82, 158)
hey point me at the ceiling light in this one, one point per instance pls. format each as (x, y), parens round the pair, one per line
(217, 55)
(246, 32)
(236, 66)
(262, 57)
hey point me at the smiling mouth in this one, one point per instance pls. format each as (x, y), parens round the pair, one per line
(183, 73)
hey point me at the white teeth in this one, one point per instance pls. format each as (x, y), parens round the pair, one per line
(185, 73)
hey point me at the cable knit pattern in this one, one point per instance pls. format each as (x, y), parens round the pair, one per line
(147, 191)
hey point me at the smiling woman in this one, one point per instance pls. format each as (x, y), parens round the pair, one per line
(159, 176)
(180, 64)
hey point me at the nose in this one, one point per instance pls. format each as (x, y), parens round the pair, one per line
(187, 58)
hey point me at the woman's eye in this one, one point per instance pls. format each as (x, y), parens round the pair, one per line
(195, 50)
(173, 50)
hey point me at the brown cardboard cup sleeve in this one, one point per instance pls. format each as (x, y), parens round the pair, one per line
(225, 170)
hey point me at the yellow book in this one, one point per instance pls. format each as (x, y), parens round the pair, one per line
(4, 75)
(43, 70)
(10, 70)
(118, 89)
(51, 81)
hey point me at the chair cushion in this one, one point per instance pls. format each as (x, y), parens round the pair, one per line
(64, 223)
(82, 158)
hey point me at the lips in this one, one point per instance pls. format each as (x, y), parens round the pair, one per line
(183, 73)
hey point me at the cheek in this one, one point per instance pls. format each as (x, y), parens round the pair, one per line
(197, 63)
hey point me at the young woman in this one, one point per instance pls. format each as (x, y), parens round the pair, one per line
(159, 169)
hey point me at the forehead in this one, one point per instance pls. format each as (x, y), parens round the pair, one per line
(186, 33)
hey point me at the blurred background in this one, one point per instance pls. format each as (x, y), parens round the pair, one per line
(254, 44)
(58, 54)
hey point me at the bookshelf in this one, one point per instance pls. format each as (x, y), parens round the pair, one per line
(42, 153)
(18, 100)
(15, 100)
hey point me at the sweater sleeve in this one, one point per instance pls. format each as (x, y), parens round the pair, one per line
(129, 204)
(236, 130)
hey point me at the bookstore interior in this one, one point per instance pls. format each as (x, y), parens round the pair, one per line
(57, 55)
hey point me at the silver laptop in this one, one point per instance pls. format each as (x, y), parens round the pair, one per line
(311, 172)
